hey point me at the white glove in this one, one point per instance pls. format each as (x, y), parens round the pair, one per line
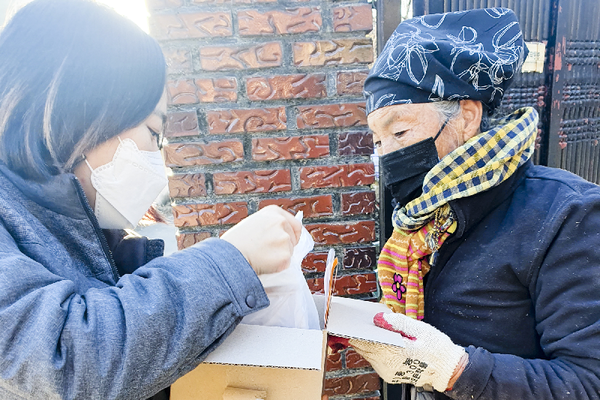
(429, 358)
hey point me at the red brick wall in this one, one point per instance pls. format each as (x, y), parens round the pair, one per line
(266, 107)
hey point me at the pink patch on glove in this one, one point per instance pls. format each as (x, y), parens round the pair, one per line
(379, 321)
(337, 344)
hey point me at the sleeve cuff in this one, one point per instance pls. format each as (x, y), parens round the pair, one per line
(239, 275)
(474, 378)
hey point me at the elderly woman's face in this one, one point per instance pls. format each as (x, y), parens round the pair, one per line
(398, 126)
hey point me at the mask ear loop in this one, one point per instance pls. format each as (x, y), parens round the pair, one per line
(441, 129)
(86, 161)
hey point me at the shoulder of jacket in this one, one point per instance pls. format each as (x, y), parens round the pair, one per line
(560, 181)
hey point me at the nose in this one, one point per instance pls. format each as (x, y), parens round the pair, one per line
(388, 145)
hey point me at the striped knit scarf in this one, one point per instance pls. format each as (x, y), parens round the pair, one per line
(422, 226)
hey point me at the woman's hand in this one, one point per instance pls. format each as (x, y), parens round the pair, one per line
(266, 238)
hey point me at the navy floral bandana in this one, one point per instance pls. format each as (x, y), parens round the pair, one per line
(470, 54)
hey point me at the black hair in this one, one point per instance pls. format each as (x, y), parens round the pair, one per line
(73, 74)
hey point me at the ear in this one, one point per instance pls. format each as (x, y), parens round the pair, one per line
(471, 112)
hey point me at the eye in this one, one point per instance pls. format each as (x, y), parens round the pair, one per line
(158, 137)
(399, 134)
(377, 144)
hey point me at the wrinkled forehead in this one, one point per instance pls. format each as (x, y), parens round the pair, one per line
(379, 120)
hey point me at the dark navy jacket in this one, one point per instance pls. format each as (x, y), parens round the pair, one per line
(73, 328)
(518, 285)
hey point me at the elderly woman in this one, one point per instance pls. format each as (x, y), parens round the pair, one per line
(87, 312)
(493, 267)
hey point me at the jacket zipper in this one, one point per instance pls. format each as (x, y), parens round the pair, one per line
(97, 230)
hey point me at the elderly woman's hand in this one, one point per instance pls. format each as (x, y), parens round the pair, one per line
(428, 359)
(266, 238)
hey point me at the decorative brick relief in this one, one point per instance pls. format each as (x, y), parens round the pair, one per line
(287, 21)
(299, 86)
(196, 25)
(333, 52)
(254, 120)
(356, 143)
(312, 207)
(264, 55)
(209, 214)
(337, 176)
(290, 148)
(216, 152)
(332, 116)
(182, 124)
(187, 185)
(267, 181)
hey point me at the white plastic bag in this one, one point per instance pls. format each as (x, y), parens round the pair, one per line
(292, 305)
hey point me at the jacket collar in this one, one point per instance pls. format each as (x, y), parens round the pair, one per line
(471, 210)
(61, 193)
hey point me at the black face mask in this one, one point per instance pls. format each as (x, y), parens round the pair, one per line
(404, 170)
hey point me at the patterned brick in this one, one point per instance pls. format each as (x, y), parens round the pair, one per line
(332, 116)
(247, 120)
(157, 5)
(360, 258)
(283, 21)
(187, 26)
(187, 185)
(209, 214)
(352, 384)
(182, 124)
(358, 203)
(268, 181)
(337, 176)
(185, 240)
(299, 86)
(314, 262)
(356, 144)
(353, 18)
(333, 52)
(188, 91)
(290, 148)
(355, 284)
(335, 233)
(333, 362)
(218, 152)
(355, 360)
(264, 55)
(351, 83)
(178, 60)
(346, 285)
(312, 207)
(315, 285)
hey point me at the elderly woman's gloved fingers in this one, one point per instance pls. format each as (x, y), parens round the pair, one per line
(266, 239)
(428, 358)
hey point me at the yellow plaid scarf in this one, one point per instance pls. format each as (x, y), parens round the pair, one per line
(422, 226)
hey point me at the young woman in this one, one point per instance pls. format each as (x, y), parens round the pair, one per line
(84, 312)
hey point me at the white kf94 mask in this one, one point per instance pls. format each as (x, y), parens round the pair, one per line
(127, 186)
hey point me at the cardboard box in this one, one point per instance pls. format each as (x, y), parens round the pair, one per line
(286, 363)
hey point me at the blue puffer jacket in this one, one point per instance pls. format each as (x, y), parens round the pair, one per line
(72, 328)
(518, 285)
